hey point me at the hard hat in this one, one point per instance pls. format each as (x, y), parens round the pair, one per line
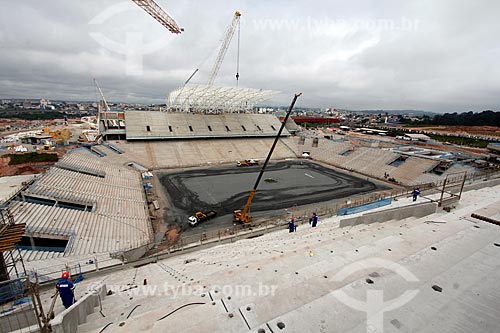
(65, 275)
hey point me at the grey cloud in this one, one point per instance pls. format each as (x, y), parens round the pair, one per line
(334, 52)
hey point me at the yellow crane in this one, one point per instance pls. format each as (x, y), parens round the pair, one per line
(244, 215)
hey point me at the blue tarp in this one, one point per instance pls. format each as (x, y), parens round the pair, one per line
(365, 207)
(10, 291)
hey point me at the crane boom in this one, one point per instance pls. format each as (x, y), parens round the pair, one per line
(159, 14)
(225, 44)
(244, 215)
(102, 96)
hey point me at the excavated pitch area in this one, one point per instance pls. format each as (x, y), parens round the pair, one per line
(283, 185)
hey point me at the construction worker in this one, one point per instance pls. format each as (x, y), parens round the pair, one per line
(65, 288)
(415, 193)
(314, 220)
(291, 225)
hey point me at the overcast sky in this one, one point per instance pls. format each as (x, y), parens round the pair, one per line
(435, 55)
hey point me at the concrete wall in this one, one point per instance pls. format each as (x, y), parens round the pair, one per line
(417, 210)
(19, 319)
(68, 320)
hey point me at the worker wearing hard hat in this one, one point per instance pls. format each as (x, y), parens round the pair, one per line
(65, 288)
(291, 225)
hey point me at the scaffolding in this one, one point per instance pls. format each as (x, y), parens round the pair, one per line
(11, 263)
(216, 99)
(20, 305)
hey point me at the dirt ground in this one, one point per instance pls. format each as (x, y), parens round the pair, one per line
(472, 130)
(29, 168)
(22, 169)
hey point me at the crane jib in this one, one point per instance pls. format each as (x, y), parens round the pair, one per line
(243, 216)
(276, 140)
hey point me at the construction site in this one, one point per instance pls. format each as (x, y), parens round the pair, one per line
(180, 221)
(287, 185)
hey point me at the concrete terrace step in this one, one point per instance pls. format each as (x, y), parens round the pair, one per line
(244, 258)
(291, 291)
(302, 266)
(453, 258)
(130, 297)
(288, 263)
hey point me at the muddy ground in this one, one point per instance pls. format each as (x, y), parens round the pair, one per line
(284, 185)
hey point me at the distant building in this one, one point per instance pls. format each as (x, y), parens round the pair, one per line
(40, 140)
(417, 137)
(372, 131)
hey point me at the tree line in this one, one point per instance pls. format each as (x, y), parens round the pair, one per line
(484, 118)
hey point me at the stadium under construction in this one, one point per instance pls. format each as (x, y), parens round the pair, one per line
(105, 205)
(113, 213)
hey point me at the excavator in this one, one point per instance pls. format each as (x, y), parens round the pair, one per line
(243, 215)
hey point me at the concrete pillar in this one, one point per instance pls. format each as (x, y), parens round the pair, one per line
(32, 242)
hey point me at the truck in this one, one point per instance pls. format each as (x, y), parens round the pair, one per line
(199, 217)
(247, 163)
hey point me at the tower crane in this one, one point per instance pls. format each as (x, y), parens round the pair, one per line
(225, 44)
(220, 57)
(244, 216)
(159, 14)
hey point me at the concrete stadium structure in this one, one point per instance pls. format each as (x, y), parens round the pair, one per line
(115, 215)
(377, 162)
(434, 272)
(144, 125)
(94, 200)
(94, 206)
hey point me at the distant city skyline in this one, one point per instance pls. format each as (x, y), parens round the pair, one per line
(426, 55)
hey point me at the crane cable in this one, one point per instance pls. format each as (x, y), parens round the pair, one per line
(203, 62)
(238, 57)
(194, 73)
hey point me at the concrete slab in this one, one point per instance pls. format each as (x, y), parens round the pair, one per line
(10, 185)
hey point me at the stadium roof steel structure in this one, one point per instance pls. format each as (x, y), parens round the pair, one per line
(209, 98)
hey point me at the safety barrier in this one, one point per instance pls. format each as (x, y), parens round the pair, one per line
(365, 207)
